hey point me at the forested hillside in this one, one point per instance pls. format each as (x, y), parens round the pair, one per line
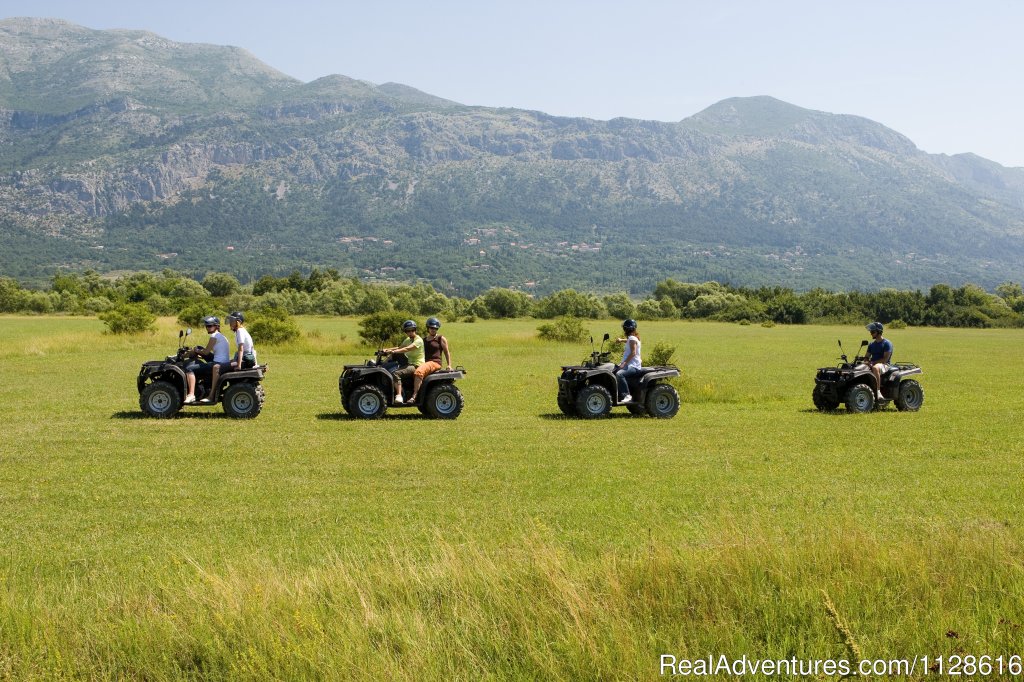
(125, 151)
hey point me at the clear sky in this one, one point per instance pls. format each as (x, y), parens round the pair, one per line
(946, 73)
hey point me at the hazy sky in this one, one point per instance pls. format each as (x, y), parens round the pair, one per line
(945, 73)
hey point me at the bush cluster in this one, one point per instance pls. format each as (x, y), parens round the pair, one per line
(325, 292)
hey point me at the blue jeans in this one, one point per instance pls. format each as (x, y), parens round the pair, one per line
(622, 375)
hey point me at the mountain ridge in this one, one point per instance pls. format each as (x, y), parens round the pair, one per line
(749, 190)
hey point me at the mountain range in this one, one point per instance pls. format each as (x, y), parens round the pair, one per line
(122, 150)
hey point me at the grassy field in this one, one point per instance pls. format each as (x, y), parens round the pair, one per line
(512, 543)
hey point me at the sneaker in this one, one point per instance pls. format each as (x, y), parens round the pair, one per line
(879, 397)
(189, 399)
(398, 400)
(626, 399)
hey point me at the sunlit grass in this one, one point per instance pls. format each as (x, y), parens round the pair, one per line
(511, 543)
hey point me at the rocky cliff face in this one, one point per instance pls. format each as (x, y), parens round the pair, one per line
(100, 125)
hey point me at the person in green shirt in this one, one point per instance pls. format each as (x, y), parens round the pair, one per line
(413, 350)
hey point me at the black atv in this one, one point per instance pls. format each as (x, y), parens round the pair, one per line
(368, 390)
(162, 386)
(590, 389)
(854, 384)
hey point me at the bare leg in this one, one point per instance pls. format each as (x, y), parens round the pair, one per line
(190, 379)
(877, 371)
(214, 378)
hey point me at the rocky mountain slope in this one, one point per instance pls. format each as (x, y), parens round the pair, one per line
(122, 149)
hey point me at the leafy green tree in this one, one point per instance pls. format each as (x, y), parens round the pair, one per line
(620, 306)
(503, 303)
(221, 284)
(384, 327)
(571, 303)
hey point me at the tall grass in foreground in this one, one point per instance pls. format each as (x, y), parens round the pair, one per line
(535, 612)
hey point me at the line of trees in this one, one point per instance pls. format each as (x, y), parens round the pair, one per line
(325, 292)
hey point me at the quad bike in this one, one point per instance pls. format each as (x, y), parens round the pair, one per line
(162, 386)
(368, 390)
(853, 383)
(590, 389)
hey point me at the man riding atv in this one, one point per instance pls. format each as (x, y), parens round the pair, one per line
(878, 355)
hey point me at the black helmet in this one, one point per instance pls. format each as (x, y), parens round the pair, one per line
(629, 326)
(433, 322)
(211, 321)
(237, 315)
(407, 325)
(875, 327)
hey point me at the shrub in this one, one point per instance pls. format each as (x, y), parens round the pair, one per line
(384, 326)
(897, 324)
(192, 314)
(129, 318)
(661, 354)
(272, 327)
(563, 329)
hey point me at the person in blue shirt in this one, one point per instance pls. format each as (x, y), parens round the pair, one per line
(878, 356)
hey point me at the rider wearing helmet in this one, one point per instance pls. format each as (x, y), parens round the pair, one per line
(630, 364)
(245, 357)
(433, 346)
(878, 355)
(217, 354)
(413, 349)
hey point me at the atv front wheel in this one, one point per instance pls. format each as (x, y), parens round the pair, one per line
(823, 403)
(662, 401)
(444, 402)
(860, 398)
(160, 399)
(367, 402)
(910, 396)
(637, 410)
(566, 406)
(593, 401)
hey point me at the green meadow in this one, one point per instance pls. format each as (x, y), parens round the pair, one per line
(512, 543)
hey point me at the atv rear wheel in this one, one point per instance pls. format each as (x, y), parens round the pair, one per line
(860, 398)
(444, 402)
(909, 396)
(367, 402)
(243, 401)
(662, 401)
(593, 401)
(160, 399)
(823, 403)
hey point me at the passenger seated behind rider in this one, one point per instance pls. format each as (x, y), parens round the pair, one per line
(433, 346)
(878, 356)
(245, 354)
(630, 364)
(413, 350)
(217, 353)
